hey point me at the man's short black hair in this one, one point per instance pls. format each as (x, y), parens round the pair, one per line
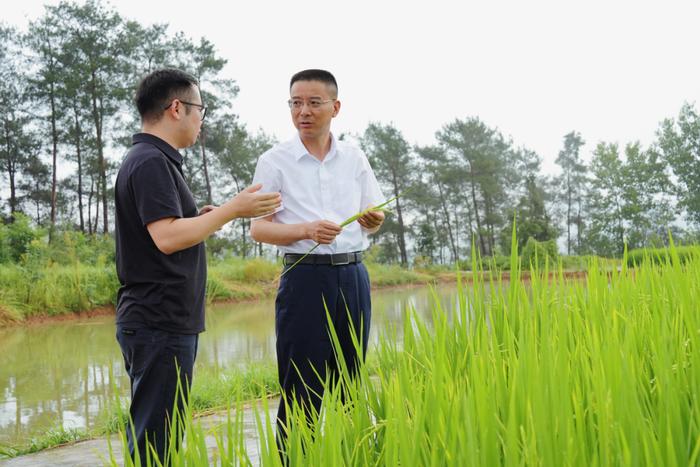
(316, 75)
(158, 88)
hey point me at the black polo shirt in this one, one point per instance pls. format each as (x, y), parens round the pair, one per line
(157, 290)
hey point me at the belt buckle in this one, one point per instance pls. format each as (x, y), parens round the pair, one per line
(340, 263)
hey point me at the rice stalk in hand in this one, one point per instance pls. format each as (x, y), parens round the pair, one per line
(348, 221)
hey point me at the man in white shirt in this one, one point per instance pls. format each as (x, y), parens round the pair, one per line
(323, 181)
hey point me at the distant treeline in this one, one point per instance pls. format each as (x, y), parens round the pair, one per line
(66, 88)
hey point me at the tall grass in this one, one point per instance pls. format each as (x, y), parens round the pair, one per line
(600, 372)
(56, 289)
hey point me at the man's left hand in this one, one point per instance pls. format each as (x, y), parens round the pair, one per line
(372, 220)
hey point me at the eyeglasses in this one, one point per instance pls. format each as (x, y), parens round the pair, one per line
(297, 104)
(202, 109)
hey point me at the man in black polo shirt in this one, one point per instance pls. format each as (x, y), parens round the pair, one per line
(161, 260)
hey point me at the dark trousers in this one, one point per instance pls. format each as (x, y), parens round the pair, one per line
(304, 348)
(154, 359)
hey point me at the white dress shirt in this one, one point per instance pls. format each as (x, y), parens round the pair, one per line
(334, 189)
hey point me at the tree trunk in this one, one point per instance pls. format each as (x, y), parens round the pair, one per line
(54, 156)
(244, 244)
(402, 238)
(89, 203)
(80, 168)
(490, 238)
(579, 228)
(102, 167)
(568, 214)
(443, 204)
(476, 213)
(243, 240)
(97, 205)
(457, 224)
(11, 170)
(470, 219)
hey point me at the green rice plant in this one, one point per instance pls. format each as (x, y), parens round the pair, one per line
(550, 372)
(217, 389)
(380, 207)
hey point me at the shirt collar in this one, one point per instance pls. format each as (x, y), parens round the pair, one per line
(299, 150)
(164, 147)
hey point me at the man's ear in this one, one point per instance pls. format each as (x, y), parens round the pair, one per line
(174, 110)
(336, 107)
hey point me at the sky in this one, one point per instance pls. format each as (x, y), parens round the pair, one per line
(536, 70)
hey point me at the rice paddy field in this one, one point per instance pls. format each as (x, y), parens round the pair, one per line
(551, 372)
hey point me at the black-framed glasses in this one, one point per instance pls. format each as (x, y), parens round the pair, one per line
(202, 108)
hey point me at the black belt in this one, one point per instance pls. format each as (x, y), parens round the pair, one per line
(338, 259)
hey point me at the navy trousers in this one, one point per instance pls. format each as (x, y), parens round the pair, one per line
(154, 360)
(304, 348)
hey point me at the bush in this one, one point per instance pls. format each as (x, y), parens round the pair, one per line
(70, 246)
(422, 262)
(496, 263)
(260, 270)
(660, 256)
(537, 254)
(216, 289)
(15, 238)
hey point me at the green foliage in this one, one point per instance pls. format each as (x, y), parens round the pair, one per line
(609, 362)
(52, 438)
(386, 274)
(218, 389)
(662, 256)
(390, 156)
(678, 143)
(69, 246)
(626, 203)
(532, 218)
(486, 263)
(56, 289)
(16, 238)
(496, 263)
(371, 254)
(570, 187)
(422, 262)
(260, 270)
(216, 289)
(486, 168)
(538, 254)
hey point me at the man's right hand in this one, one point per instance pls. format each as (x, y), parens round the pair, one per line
(250, 203)
(323, 231)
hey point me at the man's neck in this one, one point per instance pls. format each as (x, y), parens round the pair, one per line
(318, 147)
(158, 131)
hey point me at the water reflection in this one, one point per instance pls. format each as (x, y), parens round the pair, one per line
(65, 374)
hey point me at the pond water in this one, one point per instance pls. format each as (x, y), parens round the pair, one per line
(63, 374)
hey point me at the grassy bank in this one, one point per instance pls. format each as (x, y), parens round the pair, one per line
(554, 372)
(53, 289)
